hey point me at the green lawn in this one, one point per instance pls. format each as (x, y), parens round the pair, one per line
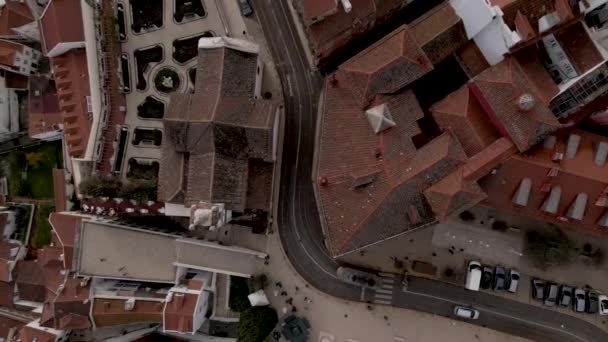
(43, 227)
(30, 173)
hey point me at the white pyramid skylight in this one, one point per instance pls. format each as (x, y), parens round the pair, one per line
(380, 118)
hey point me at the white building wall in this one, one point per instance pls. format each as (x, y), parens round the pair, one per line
(201, 308)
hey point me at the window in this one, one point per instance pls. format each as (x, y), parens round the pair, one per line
(27, 52)
(17, 59)
(89, 105)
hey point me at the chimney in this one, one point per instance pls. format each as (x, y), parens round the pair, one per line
(179, 300)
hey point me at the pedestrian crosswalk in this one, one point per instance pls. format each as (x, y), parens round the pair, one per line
(384, 292)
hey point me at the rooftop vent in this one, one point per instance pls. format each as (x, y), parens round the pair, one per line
(523, 192)
(130, 304)
(362, 181)
(577, 209)
(572, 146)
(601, 152)
(552, 202)
(380, 118)
(525, 102)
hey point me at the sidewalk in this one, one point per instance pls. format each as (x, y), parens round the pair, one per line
(353, 322)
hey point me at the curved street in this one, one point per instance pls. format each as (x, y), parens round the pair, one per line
(300, 229)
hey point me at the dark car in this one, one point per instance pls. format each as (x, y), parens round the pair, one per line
(538, 289)
(564, 298)
(579, 300)
(592, 302)
(550, 294)
(500, 280)
(486, 278)
(246, 9)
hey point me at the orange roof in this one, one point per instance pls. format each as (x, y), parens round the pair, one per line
(319, 8)
(179, 312)
(573, 176)
(108, 312)
(59, 190)
(6, 324)
(32, 334)
(8, 50)
(461, 113)
(513, 104)
(453, 194)
(387, 66)
(65, 226)
(54, 27)
(43, 106)
(72, 79)
(13, 14)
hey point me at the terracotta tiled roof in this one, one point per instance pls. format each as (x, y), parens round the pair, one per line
(108, 312)
(72, 80)
(68, 308)
(179, 312)
(66, 226)
(472, 59)
(43, 105)
(578, 175)
(351, 154)
(32, 334)
(30, 278)
(8, 51)
(13, 14)
(6, 324)
(513, 105)
(54, 27)
(387, 66)
(7, 295)
(453, 194)
(59, 190)
(211, 135)
(318, 8)
(461, 113)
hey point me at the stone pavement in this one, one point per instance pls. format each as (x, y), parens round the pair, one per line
(353, 322)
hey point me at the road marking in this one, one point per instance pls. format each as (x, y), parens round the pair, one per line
(384, 291)
(289, 85)
(500, 314)
(362, 293)
(385, 302)
(385, 274)
(383, 296)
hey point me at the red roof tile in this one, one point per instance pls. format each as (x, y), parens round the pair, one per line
(66, 226)
(6, 324)
(13, 14)
(59, 190)
(574, 176)
(109, 312)
(453, 194)
(7, 294)
(179, 312)
(387, 66)
(72, 79)
(513, 105)
(32, 334)
(54, 27)
(461, 113)
(319, 8)
(43, 106)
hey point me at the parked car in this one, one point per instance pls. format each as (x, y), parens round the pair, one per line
(246, 9)
(603, 304)
(499, 279)
(592, 302)
(357, 277)
(564, 298)
(550, 294)
(473, 276)
(579, 300)
(466, 313)
(487, 277)
(513, 281)
(538, 289)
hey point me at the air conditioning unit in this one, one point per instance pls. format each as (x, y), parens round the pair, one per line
(130, 304)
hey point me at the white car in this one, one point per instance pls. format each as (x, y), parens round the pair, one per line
(473, 276)
(466, 313)
(603, 299)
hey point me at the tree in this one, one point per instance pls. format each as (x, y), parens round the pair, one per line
(34, 159)
(549, 248)
(239, 290)
(100, 186)
(139, 189)
(257, 323)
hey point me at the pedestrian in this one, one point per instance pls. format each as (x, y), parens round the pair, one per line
(283, 294)
(297, 289)
(451, 251)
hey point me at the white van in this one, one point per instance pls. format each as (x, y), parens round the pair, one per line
(474, 272)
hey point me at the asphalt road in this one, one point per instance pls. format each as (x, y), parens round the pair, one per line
(298, 220)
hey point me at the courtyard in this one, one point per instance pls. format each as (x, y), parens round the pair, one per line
(160, 44)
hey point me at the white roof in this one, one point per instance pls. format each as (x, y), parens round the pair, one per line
(523, 192)
(601, 152)
(572, 146)
(552, 202)
(227, 42)
(577, 209)
(258, 298)
(380, 118)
